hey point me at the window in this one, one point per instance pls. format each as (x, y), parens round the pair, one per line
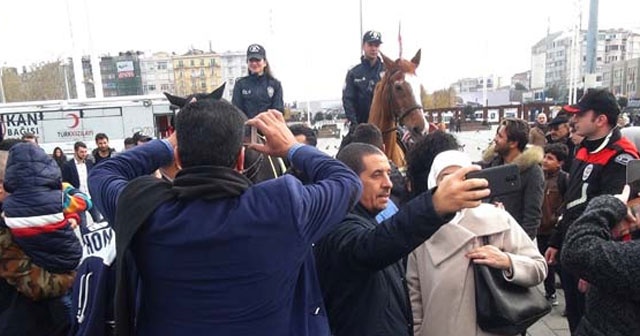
(212, 62)
(192, 63)
(152, 87)
(162, 65)
(180, 64)
(164, 87)
(203, 85)
(201, 72)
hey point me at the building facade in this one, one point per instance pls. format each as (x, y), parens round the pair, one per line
(476, 84)
(554, 51)
(521, 79)
(233, 66)
(157, 73)
(623, 78)
(121, 75)
(196, 72)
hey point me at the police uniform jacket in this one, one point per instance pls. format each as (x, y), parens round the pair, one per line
(358, 90)
(598, 168)
(257, 93)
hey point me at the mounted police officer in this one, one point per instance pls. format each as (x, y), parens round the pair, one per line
(362, 79)
(259, 91)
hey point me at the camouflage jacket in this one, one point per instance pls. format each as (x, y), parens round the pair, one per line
(29, 279)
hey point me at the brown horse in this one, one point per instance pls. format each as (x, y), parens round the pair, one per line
(397, 101)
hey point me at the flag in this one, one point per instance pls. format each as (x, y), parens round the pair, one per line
(399, 40)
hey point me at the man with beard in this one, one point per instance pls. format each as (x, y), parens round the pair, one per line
(76, 172)
(103, 151)
(510, 146)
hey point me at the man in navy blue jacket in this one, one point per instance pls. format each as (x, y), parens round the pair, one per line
(223, 256)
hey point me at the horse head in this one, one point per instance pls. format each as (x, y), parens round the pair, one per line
(401, 92)
(182, 101)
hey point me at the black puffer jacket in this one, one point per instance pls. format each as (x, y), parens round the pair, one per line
(611, 268)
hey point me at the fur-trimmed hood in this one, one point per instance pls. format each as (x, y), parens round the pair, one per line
(530, 156)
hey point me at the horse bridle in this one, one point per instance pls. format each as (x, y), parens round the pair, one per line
(251, 171)
(404, 113)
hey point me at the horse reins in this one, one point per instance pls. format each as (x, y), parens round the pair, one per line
(251, 171)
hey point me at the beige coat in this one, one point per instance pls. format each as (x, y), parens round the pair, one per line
(440, 276)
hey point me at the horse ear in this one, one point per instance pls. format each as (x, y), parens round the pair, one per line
(175, 100)
(217, 93)
(388, 63)
(416, 59)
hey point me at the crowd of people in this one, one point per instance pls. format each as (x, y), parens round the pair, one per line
(179, 241)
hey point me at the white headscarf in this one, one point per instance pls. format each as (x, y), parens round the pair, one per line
(446, 159)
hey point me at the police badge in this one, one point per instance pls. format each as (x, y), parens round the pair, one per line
(270, 91)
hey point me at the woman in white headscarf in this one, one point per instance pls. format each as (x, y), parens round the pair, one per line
(440, 273)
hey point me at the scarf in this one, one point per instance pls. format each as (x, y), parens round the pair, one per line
(209, 183)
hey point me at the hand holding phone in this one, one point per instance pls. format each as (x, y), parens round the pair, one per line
(250, 135)
(633, 176)
(502, 180)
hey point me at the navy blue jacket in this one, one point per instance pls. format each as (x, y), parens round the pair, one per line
(254, 94)
(235, 266)
(362, 273)
(94, 286)
(33, 210)
(358, 90)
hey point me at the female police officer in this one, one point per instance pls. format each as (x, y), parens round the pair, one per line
(259, 91)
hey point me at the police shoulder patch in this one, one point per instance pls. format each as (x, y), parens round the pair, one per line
(624, 158)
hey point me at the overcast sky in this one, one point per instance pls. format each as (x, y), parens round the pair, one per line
(310, 44)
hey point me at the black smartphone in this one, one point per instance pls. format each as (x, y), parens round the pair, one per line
(633, 176)
(633, 173)
(502, 180)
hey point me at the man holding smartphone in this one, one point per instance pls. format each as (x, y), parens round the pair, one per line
(598, 168)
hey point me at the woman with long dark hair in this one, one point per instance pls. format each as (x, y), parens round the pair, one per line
(59, 157)
(259, 90)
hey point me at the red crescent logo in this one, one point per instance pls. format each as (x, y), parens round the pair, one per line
(76, 120)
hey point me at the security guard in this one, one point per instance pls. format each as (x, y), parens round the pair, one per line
(259, 91)
(362, 79)
(599, 168)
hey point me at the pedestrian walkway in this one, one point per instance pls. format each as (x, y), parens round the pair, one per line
(553, 324)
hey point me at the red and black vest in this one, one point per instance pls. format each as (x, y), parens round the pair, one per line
(586, 180)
